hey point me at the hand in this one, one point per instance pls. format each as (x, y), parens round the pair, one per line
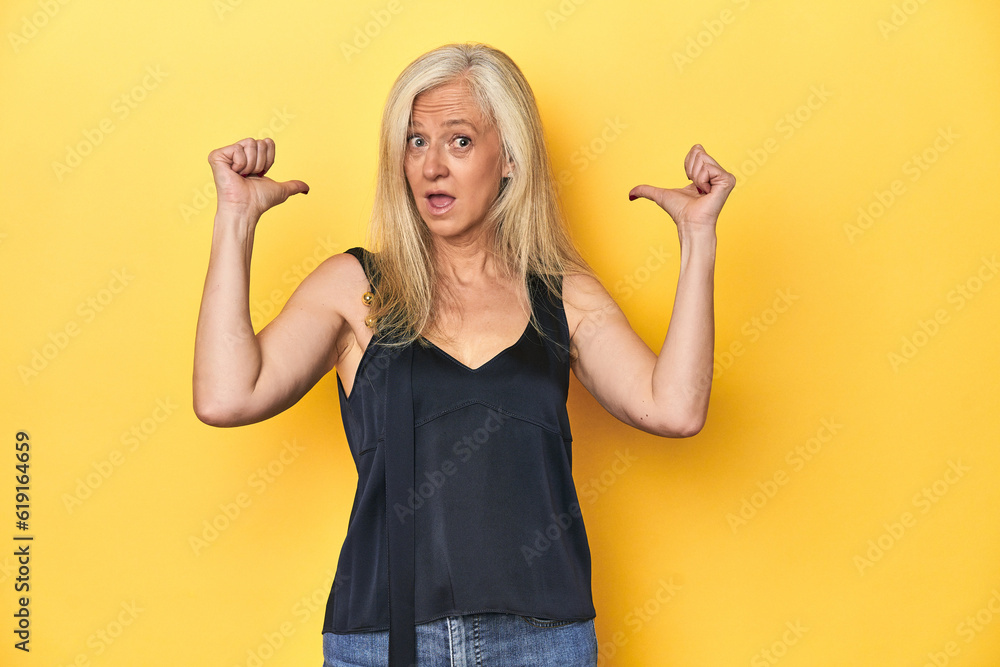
(699, 203)
(240, 183)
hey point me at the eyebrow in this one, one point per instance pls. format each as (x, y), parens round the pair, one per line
(450, 123)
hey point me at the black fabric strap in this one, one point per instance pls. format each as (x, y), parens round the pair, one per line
(399, 480)
(365, 258)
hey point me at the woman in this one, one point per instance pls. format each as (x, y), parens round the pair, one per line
(453, 342)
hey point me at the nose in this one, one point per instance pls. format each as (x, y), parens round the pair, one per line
(435, 165)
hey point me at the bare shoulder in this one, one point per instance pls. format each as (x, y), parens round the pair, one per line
(336, 282)
(332, 294)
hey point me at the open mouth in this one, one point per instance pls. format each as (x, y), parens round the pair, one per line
(438, 204)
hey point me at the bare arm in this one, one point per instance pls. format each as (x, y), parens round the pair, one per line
(666, 394)
(241, 378)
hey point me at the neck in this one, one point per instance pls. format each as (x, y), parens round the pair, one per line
(465, 261)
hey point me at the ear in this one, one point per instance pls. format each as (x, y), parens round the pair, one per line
(508, 169)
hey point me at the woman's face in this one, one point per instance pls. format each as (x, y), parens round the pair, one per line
(452, 161)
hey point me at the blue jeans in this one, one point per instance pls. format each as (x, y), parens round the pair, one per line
(476, 640)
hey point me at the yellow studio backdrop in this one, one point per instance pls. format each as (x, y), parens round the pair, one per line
(839, 508)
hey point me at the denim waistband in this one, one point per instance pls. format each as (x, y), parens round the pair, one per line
(497, 640)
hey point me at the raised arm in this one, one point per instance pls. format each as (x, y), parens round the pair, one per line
(666, 394)
(241, 378)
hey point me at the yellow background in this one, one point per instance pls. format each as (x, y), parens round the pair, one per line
(814, 303)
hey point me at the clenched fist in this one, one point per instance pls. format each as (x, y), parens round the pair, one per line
(240, 182)
(699, 203)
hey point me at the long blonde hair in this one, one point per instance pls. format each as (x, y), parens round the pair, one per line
(529, 233)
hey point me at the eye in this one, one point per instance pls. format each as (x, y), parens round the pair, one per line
(463, 142)
(415, 140)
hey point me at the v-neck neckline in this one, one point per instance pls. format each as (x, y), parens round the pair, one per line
(489, 361)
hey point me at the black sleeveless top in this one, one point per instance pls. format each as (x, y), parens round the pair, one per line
(465, 500)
